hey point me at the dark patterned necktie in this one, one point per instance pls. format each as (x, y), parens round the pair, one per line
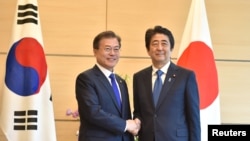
(157, 86)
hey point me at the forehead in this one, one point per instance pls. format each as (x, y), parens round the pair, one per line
(159, 37)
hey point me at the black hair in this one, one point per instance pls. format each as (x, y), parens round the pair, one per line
(158, 29)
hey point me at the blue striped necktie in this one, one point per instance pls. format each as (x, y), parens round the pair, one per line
(115, 88)
(157, 87)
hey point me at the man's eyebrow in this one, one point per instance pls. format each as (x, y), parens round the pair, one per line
(164, 40)
(159, 41)
(112, 46)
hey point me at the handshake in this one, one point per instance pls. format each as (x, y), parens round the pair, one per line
(133, 126)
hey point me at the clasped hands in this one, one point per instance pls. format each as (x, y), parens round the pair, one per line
(133, 126)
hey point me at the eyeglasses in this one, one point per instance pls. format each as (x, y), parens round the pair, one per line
(109, 49)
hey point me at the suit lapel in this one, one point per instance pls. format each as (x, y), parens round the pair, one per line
(102, 78)
(147, 78)
(168, 82)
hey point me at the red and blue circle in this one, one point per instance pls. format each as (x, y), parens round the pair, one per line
(26, 67)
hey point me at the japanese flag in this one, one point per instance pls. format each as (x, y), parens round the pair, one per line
(196, 53)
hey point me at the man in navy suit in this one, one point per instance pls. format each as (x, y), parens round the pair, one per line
(103, 116)
(174, 114)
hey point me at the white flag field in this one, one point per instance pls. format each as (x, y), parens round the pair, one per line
(26, 112)
(196, 53)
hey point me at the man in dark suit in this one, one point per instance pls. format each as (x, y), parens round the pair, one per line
(104, 116)
(173, 113)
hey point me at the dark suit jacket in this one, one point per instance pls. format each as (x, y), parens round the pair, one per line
(176, 116)
(101, 119)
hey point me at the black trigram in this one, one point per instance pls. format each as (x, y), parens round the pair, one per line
(25, 120)
(27, 14)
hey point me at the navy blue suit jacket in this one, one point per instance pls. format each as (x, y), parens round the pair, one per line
(176, 116)
(101, 119)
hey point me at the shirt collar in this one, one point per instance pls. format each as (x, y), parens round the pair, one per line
(164, 69)
(105, 71)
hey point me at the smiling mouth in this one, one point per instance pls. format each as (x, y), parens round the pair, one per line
(112, 59)
(159, 54)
